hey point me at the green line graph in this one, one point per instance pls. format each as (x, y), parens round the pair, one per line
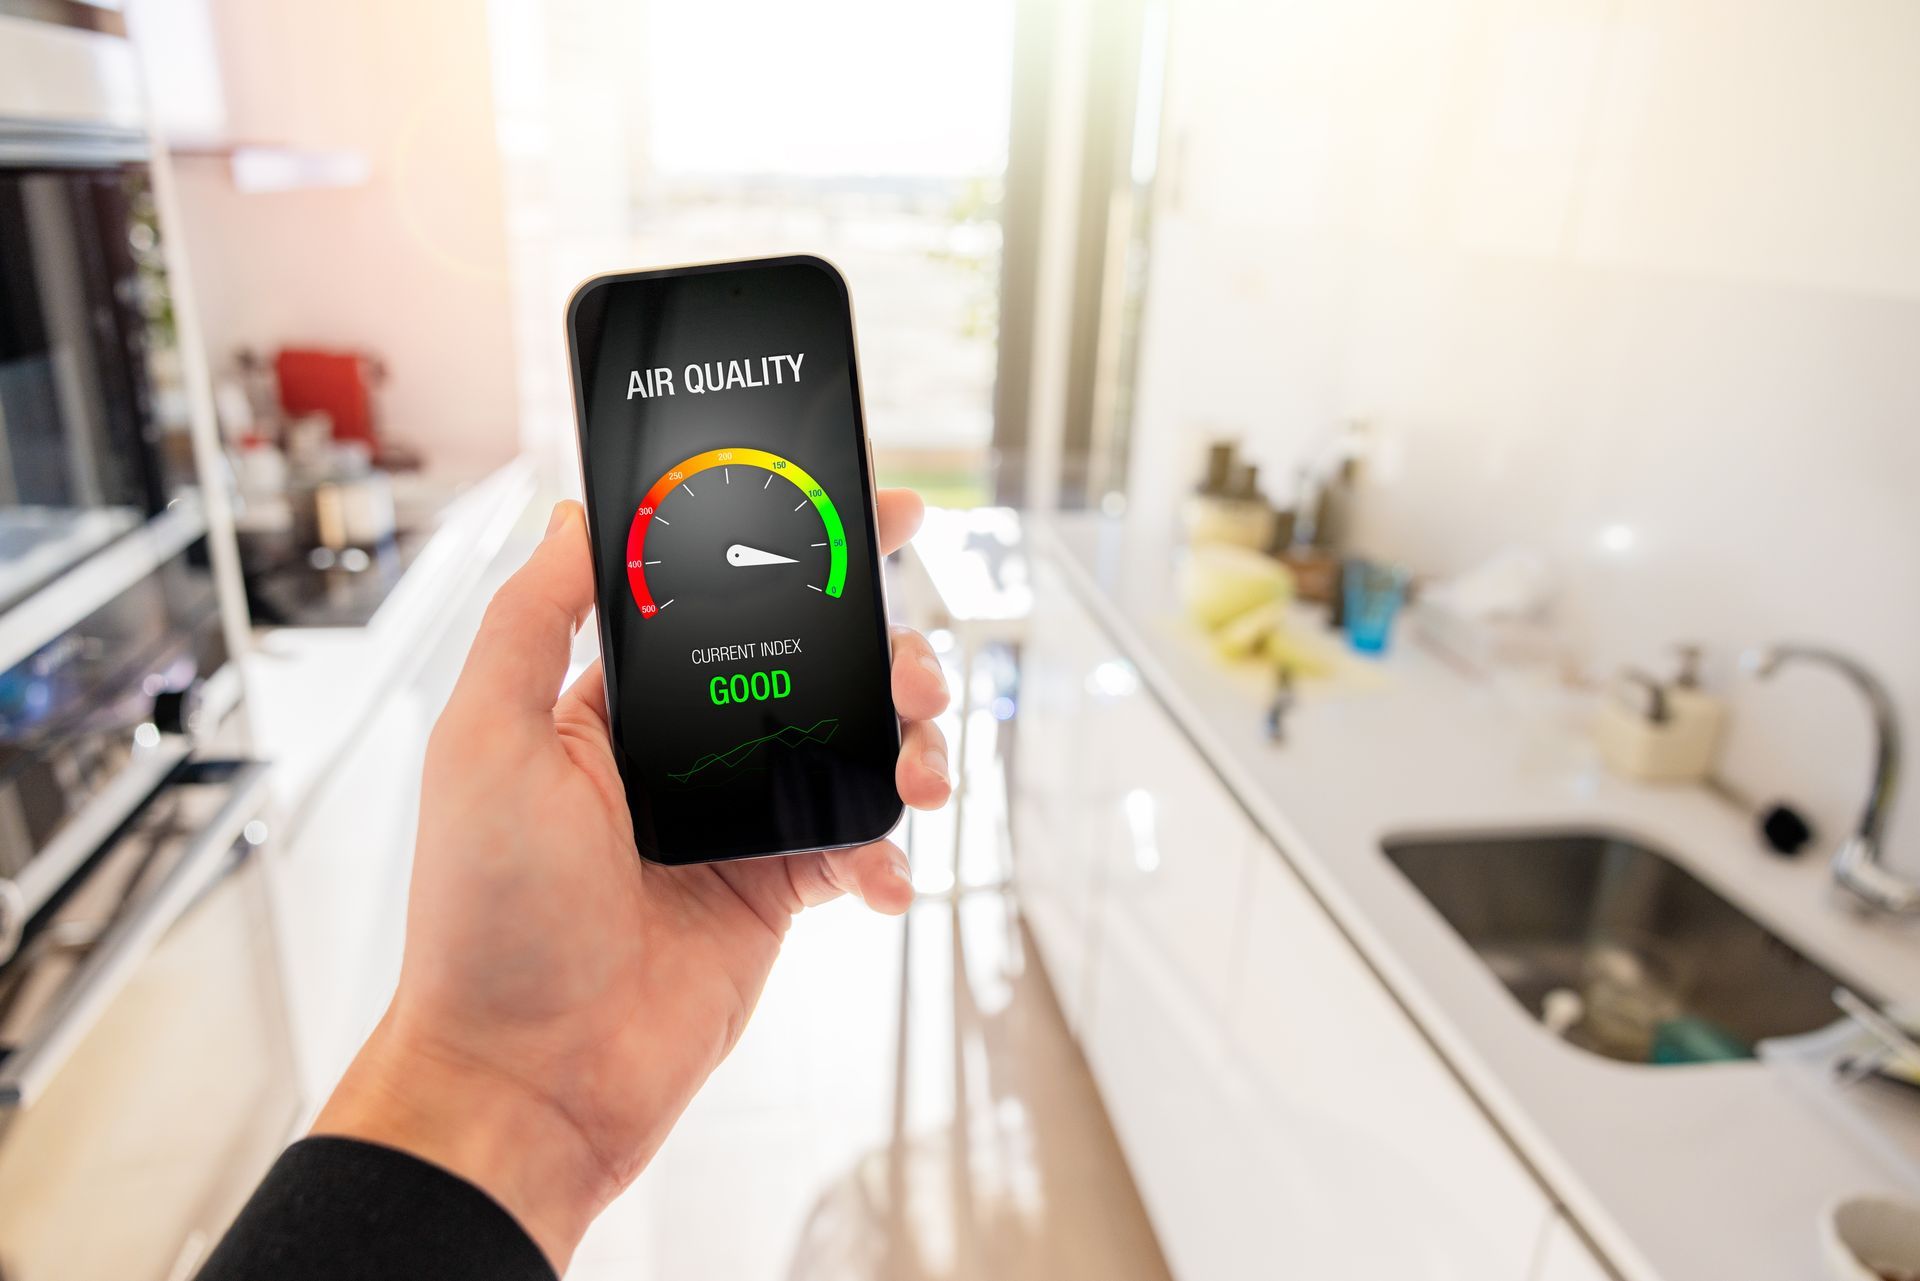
(820, 731)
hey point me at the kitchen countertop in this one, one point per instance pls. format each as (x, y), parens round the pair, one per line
(310, 690)
(1679, 1172)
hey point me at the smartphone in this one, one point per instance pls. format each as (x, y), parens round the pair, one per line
(730, 503)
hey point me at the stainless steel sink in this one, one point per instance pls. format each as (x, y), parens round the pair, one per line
(1615, 946)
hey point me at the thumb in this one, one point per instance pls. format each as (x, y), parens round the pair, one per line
(520, 655)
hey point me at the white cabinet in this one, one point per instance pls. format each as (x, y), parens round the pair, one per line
(1379, 1133)
(1055, 819)
(1171, 851)
(340, 886)
(1111, 804)
(1180, 1106)
(1564, 1256)
(1281, 1114)
(1174, 853)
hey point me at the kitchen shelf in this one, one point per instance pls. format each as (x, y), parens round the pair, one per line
(269, 168)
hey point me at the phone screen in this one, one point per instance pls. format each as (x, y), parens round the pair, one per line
(731, 511)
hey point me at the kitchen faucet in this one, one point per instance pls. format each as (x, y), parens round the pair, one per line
(1856, 864)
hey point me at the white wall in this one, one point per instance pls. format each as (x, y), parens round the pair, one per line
(573, 145)
(411, 265)
(1585, 265)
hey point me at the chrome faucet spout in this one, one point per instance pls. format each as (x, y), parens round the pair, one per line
(1856, 865)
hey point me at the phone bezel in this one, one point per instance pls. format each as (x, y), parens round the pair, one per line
(863, 444)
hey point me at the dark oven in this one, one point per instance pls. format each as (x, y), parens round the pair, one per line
(146, 1068)
(148, 1077)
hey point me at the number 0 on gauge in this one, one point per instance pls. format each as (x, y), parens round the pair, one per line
(734, 520)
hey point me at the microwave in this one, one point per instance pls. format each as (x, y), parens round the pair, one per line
(95, 436)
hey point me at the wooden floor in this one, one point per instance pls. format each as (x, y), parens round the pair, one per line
(907, 1105)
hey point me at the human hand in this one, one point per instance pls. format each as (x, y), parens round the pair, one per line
(561, 999)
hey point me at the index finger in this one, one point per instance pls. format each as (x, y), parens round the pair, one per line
(519, 656)
(900, 513)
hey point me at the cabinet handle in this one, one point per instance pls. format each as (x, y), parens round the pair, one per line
(28, 1071)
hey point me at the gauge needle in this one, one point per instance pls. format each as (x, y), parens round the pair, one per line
(742, 555)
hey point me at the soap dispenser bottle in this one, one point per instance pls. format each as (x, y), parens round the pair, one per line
(1669, 733)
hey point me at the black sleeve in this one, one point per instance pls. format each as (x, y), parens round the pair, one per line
(343, 1210)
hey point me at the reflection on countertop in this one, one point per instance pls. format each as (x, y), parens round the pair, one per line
(329, 555)
(328, 588)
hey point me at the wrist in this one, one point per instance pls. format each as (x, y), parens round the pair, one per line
(494, 1131)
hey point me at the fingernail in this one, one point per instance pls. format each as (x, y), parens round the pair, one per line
(936, 760)
(932, 664)
(556, 520)
(900, 869)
